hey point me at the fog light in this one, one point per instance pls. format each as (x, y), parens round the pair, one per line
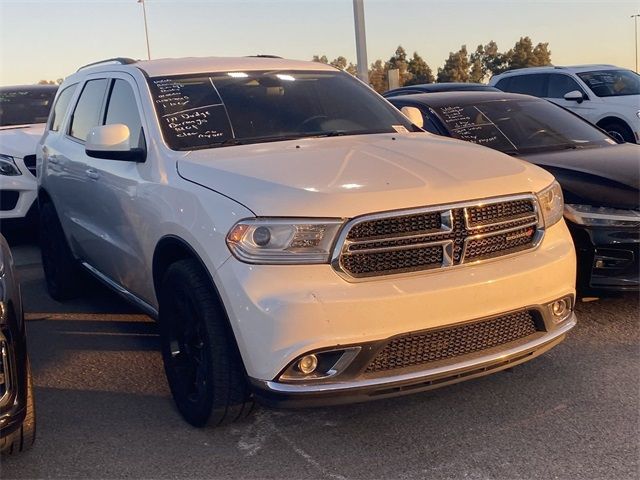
(308, 364)
(559, 308)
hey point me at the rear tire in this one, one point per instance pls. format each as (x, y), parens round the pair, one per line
(202, 362)
(61, 270)
(23, 438)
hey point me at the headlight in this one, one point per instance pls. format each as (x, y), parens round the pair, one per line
(551, 204)
(281, 240)
(8, 166)
(601, 216)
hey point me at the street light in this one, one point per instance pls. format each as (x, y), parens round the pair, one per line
(146, 31)
(635, 19)
(361, 41)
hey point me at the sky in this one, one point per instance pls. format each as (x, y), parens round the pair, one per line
(49, 39)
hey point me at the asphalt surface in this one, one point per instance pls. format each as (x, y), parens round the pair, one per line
(104, 410)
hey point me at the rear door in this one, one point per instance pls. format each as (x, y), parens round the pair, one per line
(72, 192)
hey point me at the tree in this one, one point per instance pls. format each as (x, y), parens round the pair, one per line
(542, 54)
(478, 68)
(340, 63)
(46, 82)
(456, 68)
(378, 76)
(420, 71)
(322, 59)
(399, 61)
(524, 55)
(352, 68)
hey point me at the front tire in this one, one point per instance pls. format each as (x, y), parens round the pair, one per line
(61, 271)
(619, 130)
(203, 366)
(23, 438)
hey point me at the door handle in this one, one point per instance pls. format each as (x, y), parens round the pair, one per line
(91, 173)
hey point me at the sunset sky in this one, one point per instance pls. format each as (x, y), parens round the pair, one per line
(50, 39)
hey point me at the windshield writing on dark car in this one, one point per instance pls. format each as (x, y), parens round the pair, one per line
(612, 83)
(25, 106)
(520, 126)
(234, 108)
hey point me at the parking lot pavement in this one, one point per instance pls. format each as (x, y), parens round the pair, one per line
(104, 410)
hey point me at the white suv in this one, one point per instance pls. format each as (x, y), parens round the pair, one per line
(23, 113)
(605, 95)
(297, 238)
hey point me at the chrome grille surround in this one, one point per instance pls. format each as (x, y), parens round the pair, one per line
(468, 233)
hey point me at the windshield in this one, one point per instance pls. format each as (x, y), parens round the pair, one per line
(520, 126)
(234, 108)
(25, 106)
(612, 83)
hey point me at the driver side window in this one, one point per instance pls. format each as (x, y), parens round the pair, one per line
(560, 85)
(122, 108)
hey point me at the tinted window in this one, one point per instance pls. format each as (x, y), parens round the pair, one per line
(521, 126)
(25, 106)
(560, 85)
(231, 108)
(612, 83)
(528, 84)
(60, 107)
(87, 112)
(503, 84)
(123, 108)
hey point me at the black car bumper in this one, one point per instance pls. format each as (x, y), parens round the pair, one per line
(13, 371)
(608, 258)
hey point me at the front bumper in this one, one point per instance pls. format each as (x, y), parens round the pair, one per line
(289, 395)
(20, 194)
(281, 312)
(608, 258)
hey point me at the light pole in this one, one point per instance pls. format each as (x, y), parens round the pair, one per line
(361, 41)
(146, 31)
(635, 19)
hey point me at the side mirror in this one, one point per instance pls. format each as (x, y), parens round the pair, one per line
(414, 114)
(112, 142)
(574, 96)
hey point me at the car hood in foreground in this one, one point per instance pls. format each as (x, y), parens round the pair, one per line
(20, 140)
(606, 176)
(352, 175)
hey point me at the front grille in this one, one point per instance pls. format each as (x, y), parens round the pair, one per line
(436, 345)
(497, 212)
(398, 261)
(413, 241)
(30, 163)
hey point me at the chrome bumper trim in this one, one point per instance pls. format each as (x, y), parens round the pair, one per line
(424, 375)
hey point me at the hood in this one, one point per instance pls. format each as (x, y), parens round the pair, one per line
(605, 176)
(353, 175)
(20, 140)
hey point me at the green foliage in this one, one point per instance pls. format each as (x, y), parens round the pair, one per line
(378, 76)
(420, 71)
(484, 61)
(399, 62)
(456, 67)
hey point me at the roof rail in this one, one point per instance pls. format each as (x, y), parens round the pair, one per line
(120, 60)
(263, 56)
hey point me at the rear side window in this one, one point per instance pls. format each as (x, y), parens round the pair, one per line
(60, 108)
(123, 109)
(560, 85)
(87, 112)
(528, 84)
(504, 84)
